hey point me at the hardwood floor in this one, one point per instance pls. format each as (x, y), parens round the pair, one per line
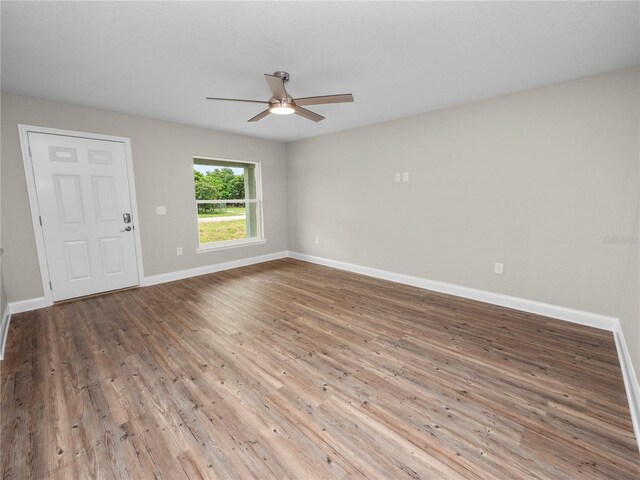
(292, 370)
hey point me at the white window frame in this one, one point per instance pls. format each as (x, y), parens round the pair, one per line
(225, 244)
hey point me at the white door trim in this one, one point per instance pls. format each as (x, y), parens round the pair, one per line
(23, 131)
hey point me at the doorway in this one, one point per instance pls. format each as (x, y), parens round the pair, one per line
(83, 206)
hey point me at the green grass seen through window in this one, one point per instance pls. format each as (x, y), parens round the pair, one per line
(220, 231)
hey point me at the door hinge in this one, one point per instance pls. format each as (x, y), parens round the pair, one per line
(40, 218)
(50, 286)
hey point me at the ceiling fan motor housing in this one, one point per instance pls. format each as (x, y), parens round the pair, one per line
(283, 75)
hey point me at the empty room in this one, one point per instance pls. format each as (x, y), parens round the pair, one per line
(320, 240)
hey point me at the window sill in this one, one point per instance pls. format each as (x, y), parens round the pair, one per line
(212, 247)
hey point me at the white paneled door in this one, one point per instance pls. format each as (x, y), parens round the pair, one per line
(85, 210)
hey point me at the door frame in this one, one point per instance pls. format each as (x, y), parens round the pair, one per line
(23, 131)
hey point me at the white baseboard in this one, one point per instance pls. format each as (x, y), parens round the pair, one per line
(568, 314)
(630, 380)
(28, 305)
(217, 267)
(530, 306)
(4, 329)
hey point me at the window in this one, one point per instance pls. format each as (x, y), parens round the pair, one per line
(228, 203)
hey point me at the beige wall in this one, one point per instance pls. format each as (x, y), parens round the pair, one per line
(534, 179)
(3, 294)
(629, 313)
(162, 164)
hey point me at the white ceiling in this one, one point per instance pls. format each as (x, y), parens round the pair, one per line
(161, 59)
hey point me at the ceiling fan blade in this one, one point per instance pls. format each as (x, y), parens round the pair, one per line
(342, 98)
(237, 100)
(276, 84)
(259, 116)
(303, 112)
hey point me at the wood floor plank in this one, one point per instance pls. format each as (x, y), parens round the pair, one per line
(292, 370)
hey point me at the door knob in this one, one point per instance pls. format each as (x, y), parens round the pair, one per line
(126, 229)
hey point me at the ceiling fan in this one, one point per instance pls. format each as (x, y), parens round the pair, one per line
(281, 103)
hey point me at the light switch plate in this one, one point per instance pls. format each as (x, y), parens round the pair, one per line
(161, 210)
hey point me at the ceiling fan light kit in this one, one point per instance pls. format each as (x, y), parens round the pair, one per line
(281, 103)
(282, 108)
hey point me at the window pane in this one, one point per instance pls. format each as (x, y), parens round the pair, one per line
(219, 182)
(227, 201)
(222, 221)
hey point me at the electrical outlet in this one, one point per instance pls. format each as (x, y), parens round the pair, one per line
(179, 250)
(405, 176)
(317, 241)
(397, 177)
(161, 210)
(498, 268)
